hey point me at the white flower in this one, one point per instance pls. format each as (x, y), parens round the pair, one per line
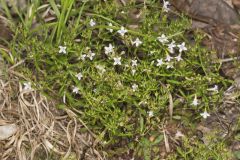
(168, 58)
(159, 62)
(134, 87)
(195, 101)
(62, 49)
(150, 113)
(163, 39)
(79, 76)
(90, 55)
(134, 63)
(171, 47)
(133, 71)
(137, 42)
(179, 134)
(179, 57)
(75, 90)
(27, 86)
(122, 31)
(205, 114)
(214, 89)
(182, 47)
(83, 57)
(165, 6)
(117, 61)
(92, 23)
(101, 68)
(110, 29)
(109, 49)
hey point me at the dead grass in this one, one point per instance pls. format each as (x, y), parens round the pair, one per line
(43, 131)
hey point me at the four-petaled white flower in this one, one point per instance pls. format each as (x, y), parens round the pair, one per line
(117, 61)
(75, 90)
(90, 55)
(159, 62)
(182, 47)
(150, 113)
(137, 42)
(163, 39)
(171, 47)
(109, 49)
(134, 63)
(168, 58)
(110, 29)
(92, 23)
(27, 86)
(79, 76)
(179, 57)
(179, 134)
(134, 87)
(122, 31)
(205, 114)
(62, 49)
(165, 6)
(214, 89)
(195, 101)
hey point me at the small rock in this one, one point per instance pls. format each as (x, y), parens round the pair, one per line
(7, 131)
(236, 3)
(210, 11)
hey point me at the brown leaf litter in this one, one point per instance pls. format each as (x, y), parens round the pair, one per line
(220, 21)
(31, 127)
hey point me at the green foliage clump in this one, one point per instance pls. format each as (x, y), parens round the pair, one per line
(124, 99)
(214, 150)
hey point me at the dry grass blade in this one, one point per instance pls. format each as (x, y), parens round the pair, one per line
(167, 146)
(170, 106)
